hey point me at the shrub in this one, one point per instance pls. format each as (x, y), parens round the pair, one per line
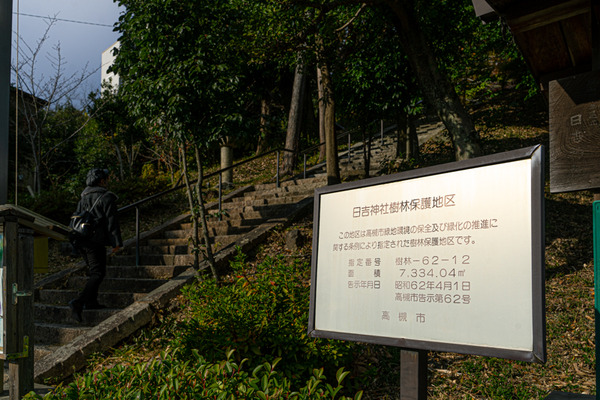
(169, 376)
(263, 314)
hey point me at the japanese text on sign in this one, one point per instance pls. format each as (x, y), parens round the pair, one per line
(394, 207)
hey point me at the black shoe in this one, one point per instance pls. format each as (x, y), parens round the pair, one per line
(76, 310)
(94, 306)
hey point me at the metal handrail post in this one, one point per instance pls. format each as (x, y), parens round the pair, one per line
(220, 196)
(137, 236)
(277, 174)
(304, 173)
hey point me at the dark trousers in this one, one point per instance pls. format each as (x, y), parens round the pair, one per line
(95, 258)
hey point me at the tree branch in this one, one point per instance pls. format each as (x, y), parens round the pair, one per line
(362, 7)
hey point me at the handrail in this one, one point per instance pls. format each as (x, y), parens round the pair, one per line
(156, 195)
(160, 194)
(219, 172)
(137, 204)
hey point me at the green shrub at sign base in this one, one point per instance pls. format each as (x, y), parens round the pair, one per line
(170, 377)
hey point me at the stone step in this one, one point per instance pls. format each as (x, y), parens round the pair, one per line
(154, 245)
(225, 222)
(161, 246)
(217, 242)
(292, 182)
(360, 167)
(285, 191)
(220, 230)
(109, 299)
(240, 218)
(268, 200)
(48, 313)
(256, 211)
(215, 225)
(145, 271)
(151, 259)
(58, 334)
(42, 350)
(272, 194)
(118, 285)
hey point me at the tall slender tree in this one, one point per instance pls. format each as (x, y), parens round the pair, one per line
(180, 70)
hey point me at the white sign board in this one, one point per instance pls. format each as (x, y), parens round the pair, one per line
(447, 258)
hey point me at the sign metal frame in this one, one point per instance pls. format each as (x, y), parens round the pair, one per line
(2, 291)
(537, 353)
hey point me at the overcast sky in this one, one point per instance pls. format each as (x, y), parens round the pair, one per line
(81, 41)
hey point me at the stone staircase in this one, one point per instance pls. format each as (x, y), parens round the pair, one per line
(133, 294)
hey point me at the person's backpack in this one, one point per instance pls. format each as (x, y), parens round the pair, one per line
(83, 224)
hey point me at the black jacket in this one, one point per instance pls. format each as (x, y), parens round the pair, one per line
(108, 232)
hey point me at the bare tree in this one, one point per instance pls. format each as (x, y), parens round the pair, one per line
(38, 94)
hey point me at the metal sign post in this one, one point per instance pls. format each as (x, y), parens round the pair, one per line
(413, 374)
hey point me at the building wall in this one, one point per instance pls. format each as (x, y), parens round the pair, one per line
(107, 60)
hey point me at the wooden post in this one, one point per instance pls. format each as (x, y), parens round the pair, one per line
(18, 306)
(413, 374)
(595, 35)
(574, 105)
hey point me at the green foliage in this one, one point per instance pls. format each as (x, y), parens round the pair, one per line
(57, 204)
(131, 190)
(375, 81)
(118, 128)
(182, 76)
(93, 150)
(171, 376)
(57, 153)
(263, 315)
(479, 58)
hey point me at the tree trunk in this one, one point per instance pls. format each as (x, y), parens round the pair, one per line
(321, 116)
(436, 88)
(200, 200)
(170, 167)
(120, 159)
(412, 139)
(401, 132)
(265, 112)
(333, 169)
(366, 152)
(292, 137)
(37, 176)
(195, 240)
(310, 126)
